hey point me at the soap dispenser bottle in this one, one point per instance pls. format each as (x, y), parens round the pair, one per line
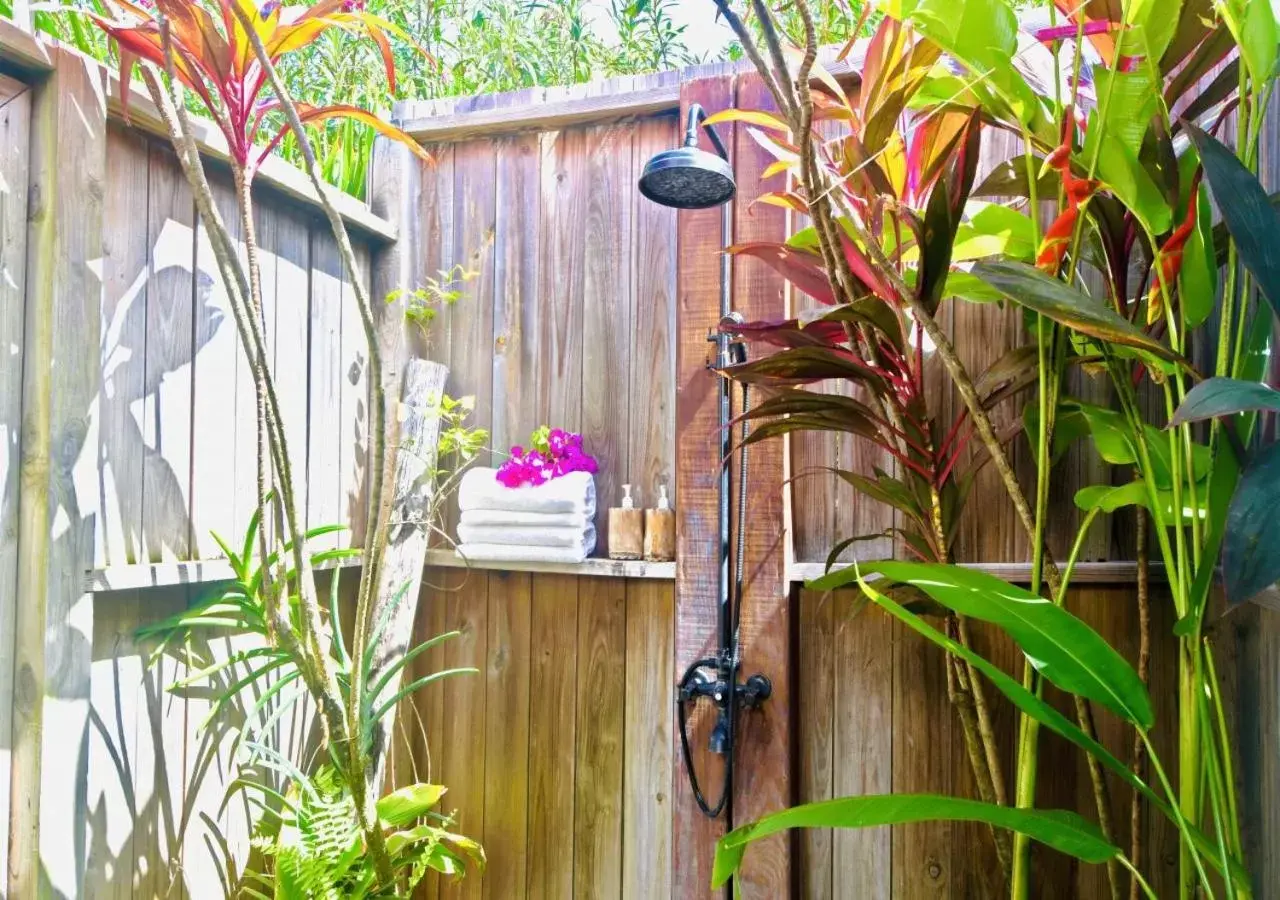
(660, 530)
(626, 528)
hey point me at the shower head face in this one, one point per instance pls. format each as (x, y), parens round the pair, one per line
(687, 178)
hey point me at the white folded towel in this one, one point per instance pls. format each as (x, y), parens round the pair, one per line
(514, 517)
(572, 493)
(508, 553)
(530, 535)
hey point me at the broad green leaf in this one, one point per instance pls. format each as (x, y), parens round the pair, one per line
(1250, 548)
(1047, 716)
(1215, 397)
(1109, 498)
(408, 804)
(1062, 647)
(1028, 286)
(1114, 442)
(995, 230)
(1060, 829)
(1155, 23)
(1198, 278)
(1126, 103)
(1253, 25)
(1248, 214)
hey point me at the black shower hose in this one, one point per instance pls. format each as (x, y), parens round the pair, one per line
(726, 793)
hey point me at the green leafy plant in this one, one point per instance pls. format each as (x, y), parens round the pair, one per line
(308, 833)
(1131, 182)
(224, 53)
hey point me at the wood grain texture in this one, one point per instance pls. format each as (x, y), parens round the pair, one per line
(506, 748)
(15, 135)
(608, 302)
(561, 277)
(653, 349)
(762, 783)
(516, 327)
(867, 741)
(167, 385)
(598, 765)
(292, 338)
(813, 708)
(222, 489)
(697, 447)
(324, 392)
(354, 416)
(552, 736)
(59, 500)
(647, 752)
(124, 351)
(462, 749)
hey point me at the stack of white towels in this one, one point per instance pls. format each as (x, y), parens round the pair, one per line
(549, 522)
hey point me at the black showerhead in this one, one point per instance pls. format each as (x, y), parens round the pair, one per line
(687, 177)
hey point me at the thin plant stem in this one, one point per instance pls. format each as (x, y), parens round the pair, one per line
(1138, 764)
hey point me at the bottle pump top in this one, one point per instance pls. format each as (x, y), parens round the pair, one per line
(663, 503)
(627, 502)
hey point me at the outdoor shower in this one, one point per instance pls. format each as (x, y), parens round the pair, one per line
(690, 178)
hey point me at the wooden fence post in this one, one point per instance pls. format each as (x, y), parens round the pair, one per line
(58, 497)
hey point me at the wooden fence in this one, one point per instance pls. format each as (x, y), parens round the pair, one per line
(589, 308)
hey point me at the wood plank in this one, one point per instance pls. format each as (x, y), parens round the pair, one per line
(597, 808)
(471, 317)
(601, 106)
(653, 349)
(429, 702)
(324, 394)
(1258, 704)
(607, 318)
(561, 277)
(115, 824)
(463, 749)
(762, 780)
(697, 457)
(517, 245)
(124, 351)
(815, 721)
(158, 755)
(292, 339)
(15, 134)
(222, 460)
(506, 741)
(354, 414)
(648, 732)
(59, 499)
(868, 738)
(166, 405)
(552, 736)
(922, 748)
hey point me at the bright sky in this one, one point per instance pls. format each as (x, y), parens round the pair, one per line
(704, 35)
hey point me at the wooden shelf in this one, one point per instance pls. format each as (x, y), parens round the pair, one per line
(173, 574)
(1124, 572)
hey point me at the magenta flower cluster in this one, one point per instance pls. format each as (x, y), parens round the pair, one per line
(553, 452)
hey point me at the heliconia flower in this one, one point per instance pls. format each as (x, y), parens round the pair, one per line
(1057, 240)
(1169, 256)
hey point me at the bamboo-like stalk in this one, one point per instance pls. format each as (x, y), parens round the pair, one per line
(375, 538)
(1138, 761)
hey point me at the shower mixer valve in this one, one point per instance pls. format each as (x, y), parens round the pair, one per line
(710, 678)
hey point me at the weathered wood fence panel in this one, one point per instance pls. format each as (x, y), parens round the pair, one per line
(15, 123)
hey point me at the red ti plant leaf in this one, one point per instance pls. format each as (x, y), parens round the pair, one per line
(217, 61)
(1169, 257)
(790, 332)
(802, 269)
(943, 214)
